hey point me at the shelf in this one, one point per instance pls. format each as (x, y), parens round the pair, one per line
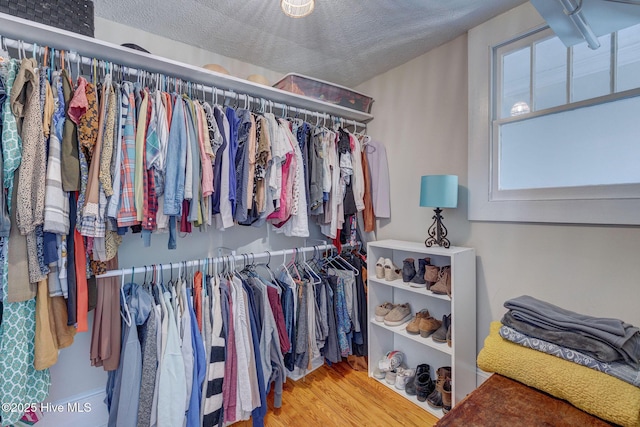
(44, 35)
(401, 285)
(424, 405)
(418, 247)
(401, 330)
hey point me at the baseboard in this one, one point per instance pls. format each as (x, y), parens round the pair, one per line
(82, 410)
(481, 376)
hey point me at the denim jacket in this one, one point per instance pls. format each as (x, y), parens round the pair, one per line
(176, 161)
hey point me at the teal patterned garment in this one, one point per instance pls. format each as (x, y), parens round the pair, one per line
(19, 381)
(11, 142)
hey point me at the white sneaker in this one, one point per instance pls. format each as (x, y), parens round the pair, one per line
(403, 376)
(390, 377)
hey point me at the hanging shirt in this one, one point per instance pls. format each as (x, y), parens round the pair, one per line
(380, 187)
(56, 203)
(176, 161)
(127, 215)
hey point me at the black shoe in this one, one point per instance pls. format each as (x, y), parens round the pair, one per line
(408, 270)
(410, 389)
(424, 386)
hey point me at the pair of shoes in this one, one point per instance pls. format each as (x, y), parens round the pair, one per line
(390, 362)
(443, 284)
(386, 269)
(413, 327)
(424, 386)
(403, 376)
(410, 388)
(382, 310)
(410, 275)
(393, 314)
(391, 271)
(400, 314)
(440, 398)
(431, 273)
(428, 325)
(443, 331)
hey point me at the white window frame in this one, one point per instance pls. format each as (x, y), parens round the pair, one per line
(595, 205)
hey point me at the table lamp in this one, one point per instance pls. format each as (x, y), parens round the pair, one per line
(438, 191)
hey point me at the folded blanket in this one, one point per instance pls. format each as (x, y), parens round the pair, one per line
(599, 394)
(620, 335)
(620, 370)
(590, 346)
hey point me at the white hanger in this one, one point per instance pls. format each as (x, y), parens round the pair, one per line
(127, 314)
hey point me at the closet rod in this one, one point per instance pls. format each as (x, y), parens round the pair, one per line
(239, 89)
(193, 263)
(237, 98)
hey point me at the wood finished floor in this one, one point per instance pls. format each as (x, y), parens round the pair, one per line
(340, 396)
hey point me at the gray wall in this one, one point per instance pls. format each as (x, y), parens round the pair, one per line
(421, 116)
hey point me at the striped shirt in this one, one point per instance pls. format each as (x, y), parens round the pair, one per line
(127, 212)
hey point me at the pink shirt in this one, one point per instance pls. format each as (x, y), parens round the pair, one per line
(207, 166)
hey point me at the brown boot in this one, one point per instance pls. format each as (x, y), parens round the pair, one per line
(429, 325)
(431, 275)
(413, 327)
(443, 285)
(435, 399)
(446, 395)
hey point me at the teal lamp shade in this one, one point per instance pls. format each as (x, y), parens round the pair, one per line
(439, 191)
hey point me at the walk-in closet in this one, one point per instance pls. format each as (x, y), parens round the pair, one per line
(320, 213)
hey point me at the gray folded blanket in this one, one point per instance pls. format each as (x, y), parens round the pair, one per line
(590, 346)
(620, 335)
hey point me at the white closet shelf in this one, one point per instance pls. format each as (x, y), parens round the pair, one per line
(402, 331)
(401, 285)
(44, 35)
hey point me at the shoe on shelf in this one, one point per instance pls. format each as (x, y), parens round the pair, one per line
(424, 386)
(441, 334)
(403, 376)
(431, 273)
(391, 361)
(446, 395)
(418, 280)
(377, 373)
(428, 326)
(390, 377)
(391, 271)
(382, 310)
(400, 314)
(413, 327)
(435, 398)
(410, 388)
(380, 268)
(443, 285)
(449, 333)
(408, 270)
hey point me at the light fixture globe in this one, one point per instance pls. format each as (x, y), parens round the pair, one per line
(297, 8)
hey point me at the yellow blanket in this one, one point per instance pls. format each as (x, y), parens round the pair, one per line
(594, 392)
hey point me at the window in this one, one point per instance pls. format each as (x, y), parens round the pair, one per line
(562, 127)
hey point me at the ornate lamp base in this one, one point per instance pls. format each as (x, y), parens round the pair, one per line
(437, 232)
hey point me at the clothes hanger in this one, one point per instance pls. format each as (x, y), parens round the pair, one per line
(316, 278)
(126, 316)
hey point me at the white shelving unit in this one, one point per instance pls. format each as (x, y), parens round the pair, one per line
(461, 356)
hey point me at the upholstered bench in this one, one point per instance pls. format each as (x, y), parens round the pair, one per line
(501, 401)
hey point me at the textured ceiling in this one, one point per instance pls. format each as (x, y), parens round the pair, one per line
(344, 42)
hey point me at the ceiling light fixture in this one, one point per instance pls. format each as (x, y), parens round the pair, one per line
(297, 8)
